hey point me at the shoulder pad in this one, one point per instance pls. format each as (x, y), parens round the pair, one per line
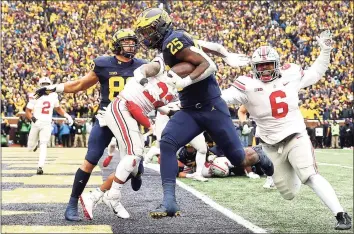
(102, 61)
(140, 61)
(243, 83)
(291, 69)
(177, 41)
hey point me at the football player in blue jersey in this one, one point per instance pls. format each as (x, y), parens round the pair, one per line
(112, 72)
(199, 93)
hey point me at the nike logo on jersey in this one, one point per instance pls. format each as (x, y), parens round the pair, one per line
(213, 108)
(286, 83)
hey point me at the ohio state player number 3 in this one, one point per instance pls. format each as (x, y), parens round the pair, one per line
(279, 109)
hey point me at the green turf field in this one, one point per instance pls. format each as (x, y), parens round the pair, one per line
(267, 209)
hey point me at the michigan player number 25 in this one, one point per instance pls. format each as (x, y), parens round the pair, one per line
(116, 85)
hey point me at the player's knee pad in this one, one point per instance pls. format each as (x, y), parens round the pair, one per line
(128, 164)
(288, 189)
(304, 173)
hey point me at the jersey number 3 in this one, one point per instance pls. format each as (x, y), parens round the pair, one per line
(279, 109)
(45, 108)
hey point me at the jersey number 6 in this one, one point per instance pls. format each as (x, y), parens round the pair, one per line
(175, 45)
(279, 109)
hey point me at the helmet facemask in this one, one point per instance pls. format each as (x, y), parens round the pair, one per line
(125, 47)
(266, 71)
(150, 37)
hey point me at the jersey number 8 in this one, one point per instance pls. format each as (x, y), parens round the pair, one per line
(116, 85)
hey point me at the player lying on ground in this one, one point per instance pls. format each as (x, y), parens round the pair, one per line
(112, 72)
(199, 93)
(242, 116)
(271, 98)
(40, 112)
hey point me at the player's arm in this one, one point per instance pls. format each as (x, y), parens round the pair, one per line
(232, 59)
(242, 113)
(62, 112)
(320, 66)
(236, 94)
(28, 111)
(154, 68)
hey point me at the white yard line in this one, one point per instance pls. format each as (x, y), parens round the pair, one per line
(333, 165)
(238, 219)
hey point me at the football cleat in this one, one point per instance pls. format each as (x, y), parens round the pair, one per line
(116, 206)
(344, 221)
(71, 212)
(269, 184)
(39, 171)
(107, 161)
(264, 162)
(253, 175)
(89, 201)
(161, 211)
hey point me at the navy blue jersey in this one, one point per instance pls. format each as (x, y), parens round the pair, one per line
(113, 75)
(200, 92)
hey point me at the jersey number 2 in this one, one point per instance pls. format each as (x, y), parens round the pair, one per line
(279, 109)
(45, 108)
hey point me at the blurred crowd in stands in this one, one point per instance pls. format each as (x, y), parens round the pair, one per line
(58, 39)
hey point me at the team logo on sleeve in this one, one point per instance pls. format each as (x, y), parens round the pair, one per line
(92, 65)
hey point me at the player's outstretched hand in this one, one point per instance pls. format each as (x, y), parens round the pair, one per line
(325, 40)
(47, 90)
(236, 60)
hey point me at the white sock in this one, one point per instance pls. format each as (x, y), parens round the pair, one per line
(115, 190)
(42, 154)
(326, 193)
(200, 160)
(151, 153)
(111, 149)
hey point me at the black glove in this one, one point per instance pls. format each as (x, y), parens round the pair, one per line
(172, 112)
(34, 119)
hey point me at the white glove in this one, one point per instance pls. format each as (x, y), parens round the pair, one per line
(325, 40)
(211, 158)
(69, 118)
(176, 81)
(253, 175)
(153, 90)
(236, 60)
(101, 117)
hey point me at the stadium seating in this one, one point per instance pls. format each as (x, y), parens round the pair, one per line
(59, 38)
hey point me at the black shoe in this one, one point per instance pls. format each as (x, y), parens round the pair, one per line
(344, 221)
(264, 163)
(136, 180)
(39, 171)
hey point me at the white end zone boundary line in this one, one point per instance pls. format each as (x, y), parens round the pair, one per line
(238, 219)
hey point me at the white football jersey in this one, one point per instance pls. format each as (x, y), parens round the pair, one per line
(273, 105)
(136, 93)
(43, 107)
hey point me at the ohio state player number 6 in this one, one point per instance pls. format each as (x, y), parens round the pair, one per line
(279, 109)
